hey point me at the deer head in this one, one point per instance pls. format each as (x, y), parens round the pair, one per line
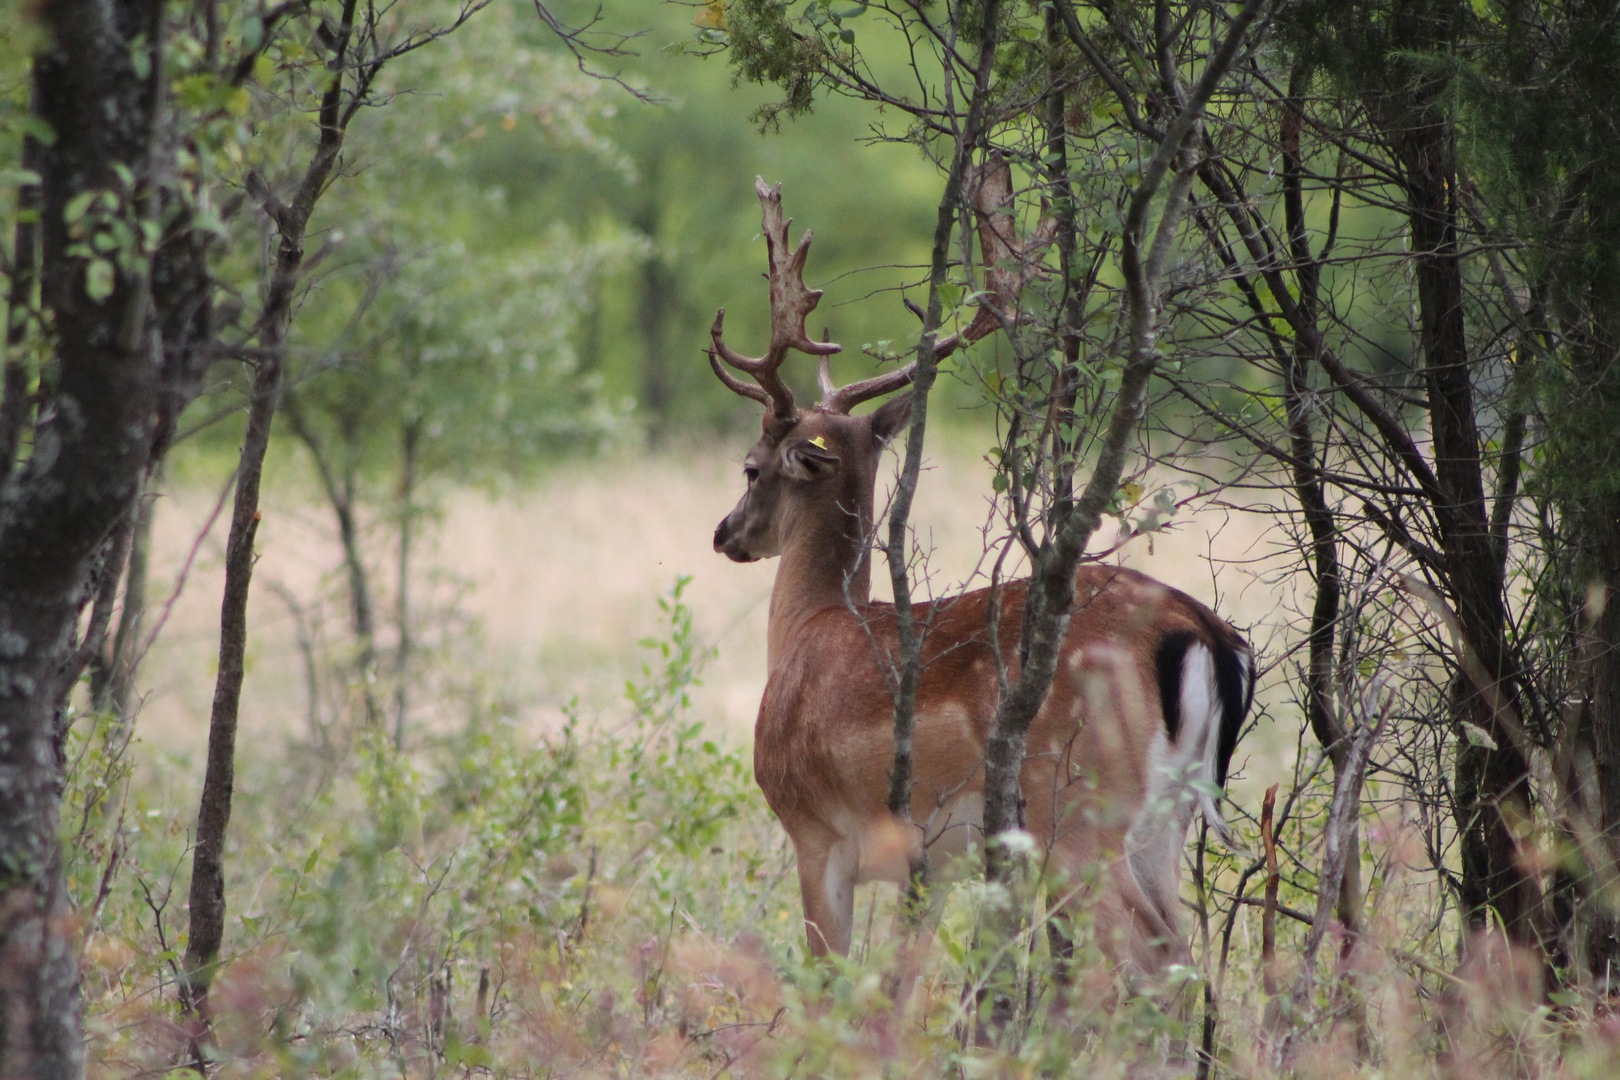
(822, 464)
(813, 467)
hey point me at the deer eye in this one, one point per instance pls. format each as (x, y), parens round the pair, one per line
(751, 473)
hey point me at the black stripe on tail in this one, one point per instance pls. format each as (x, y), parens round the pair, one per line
(1169, 661)
(1235, 697)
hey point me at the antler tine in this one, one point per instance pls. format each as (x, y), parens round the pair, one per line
(1009, 264)
(846, 398)
(732, 383)
(824, 379)
(791, 304)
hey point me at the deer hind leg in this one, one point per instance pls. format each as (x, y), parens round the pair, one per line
(1134, 927)
(1150, 881)
(827, 887)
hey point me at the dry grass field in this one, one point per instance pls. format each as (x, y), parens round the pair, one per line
(543, 592)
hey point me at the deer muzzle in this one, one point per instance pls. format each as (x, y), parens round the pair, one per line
(728, 541)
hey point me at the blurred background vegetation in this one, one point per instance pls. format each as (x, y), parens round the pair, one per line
(574, 236)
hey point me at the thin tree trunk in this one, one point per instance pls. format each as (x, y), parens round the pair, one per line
(658, 287)
(1406, 102)
(906, 662)
(111, 670)
(340, 495)
(1597, 528)
(409, 451)
(897, 549)
(1071, 522)
(127, 640)
(1308, 489)
(1497, 779)
(207, 898)
(14, 407)
(207, 907)
(361, 609)
(1059, 191)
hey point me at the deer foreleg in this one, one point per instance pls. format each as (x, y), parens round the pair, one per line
(827, 887)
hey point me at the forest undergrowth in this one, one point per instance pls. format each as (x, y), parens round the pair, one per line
(614, 899)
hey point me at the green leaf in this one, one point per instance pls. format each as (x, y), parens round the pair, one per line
(252, 33)
(98, 279)
(1477, 736)
(18, 177)
(847, 36)
(78, 206)
(194, 91)
(38, 128)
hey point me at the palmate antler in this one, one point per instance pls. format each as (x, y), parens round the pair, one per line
(791, 303)
(1009, 265)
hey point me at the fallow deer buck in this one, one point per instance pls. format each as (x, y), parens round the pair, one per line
(1147, 701)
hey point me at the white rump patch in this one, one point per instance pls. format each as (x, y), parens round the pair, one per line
(1180, 775)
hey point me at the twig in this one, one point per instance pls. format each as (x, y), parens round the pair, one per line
(1341, 819)
(185, 572)
(1268, 921)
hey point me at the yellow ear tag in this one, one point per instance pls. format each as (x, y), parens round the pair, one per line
(819, 443)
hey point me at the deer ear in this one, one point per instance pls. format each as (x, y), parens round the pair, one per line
(891, 416)
(806, 460)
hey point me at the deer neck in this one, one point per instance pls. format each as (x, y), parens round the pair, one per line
(824, 564)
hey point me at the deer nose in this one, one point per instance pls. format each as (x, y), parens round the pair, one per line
(728, 541)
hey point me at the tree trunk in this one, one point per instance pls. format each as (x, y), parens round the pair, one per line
(112, 675)
(340, 495)
(361, 609)
(411, 442)
(1493, 784)
(15, 407)
(1163, 184)
(1594, 522)
(656, 303)
(1309, 490)
(207, 898)
(58, 509)
(207, 922)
